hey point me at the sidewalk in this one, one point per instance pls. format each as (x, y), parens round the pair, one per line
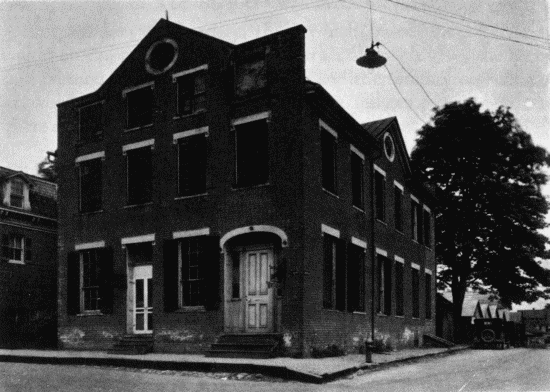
(311, 370)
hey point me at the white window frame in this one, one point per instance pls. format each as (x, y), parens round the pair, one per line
(12, 245)
(327, 128)
(175, 78)
(189, 133)
(128, 90)
(330, 231)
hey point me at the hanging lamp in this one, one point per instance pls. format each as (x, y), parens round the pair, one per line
(371, 59)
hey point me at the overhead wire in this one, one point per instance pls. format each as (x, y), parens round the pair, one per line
(471, 20)
(122, 45)
(410, 74)
(403, 97)
(487, 35)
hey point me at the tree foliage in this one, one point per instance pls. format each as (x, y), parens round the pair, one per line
(47, 168)
(487, 175)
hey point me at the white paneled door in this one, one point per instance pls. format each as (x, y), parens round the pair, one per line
(259, 296)
(143, 299)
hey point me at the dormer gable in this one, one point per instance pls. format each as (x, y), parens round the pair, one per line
(15, 190)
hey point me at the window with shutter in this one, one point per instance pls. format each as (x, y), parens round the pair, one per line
(251, 150)
(139, 105)
(192, 165)
(415, 292)
(357, 173)
(191, 93)
(91, 185)
(139, 174)
(380, 195)
(91, 122)
(356, 278)
(328, 160)
(399, 294)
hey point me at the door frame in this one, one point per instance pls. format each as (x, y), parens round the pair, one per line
(131, 297)
(245, 280)
(240, 305)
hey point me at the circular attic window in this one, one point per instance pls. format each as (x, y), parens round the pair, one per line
(161, 56)
(389, 147)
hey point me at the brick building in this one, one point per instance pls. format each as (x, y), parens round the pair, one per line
(209, 188)
(28, 260)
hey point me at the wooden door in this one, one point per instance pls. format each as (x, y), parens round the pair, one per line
(259, 296)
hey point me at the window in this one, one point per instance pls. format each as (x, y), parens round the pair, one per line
(328, 157)
(17, 193)
(416, 220)
(191, 272)
(428, 294)
(333, 274)
(251, 150)
(250, 77)
(90, 298)
(415, 280)
(139, 103)
(192, 165)
(91, 122)
(399, 287)
(384, 285)
(398, 208)
(139, 174)
(91, 186)
(89, 286)
(16, 248)
(192, 92)
(380, 195)
(427, 220)
(389, 148)
(356, 278)
(357, 175)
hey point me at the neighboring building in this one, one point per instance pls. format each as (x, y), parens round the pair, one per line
(537, 321)
(209, 189)
(476, 306)
(28, 260)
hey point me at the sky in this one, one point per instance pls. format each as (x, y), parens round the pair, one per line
(54, 51)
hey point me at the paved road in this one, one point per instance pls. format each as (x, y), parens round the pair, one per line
(477, 370)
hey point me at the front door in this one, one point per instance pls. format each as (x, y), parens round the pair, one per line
(259, 294)
(143, 299)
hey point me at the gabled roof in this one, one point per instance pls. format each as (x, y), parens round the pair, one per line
(379, 128)
(315, 89)
(474, 301)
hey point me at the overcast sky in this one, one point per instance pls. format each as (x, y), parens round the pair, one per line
(54, 51)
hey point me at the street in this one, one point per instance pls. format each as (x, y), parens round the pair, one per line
(472, 370)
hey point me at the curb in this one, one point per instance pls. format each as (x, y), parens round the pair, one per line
(268, 370)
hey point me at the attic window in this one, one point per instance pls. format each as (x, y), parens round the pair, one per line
(161, 56)
(17, 194)
(389, 147)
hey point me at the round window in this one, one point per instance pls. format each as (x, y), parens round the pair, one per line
(389, 147)
(161, 56)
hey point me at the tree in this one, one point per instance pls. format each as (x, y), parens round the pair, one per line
(487, 176)
(47, 168)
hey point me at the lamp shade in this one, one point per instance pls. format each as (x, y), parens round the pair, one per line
(371, 59)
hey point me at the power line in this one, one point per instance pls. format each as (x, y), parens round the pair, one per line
(471, 20)
(402, 96)
(416, 80)
(448, 27)
(122, 45)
